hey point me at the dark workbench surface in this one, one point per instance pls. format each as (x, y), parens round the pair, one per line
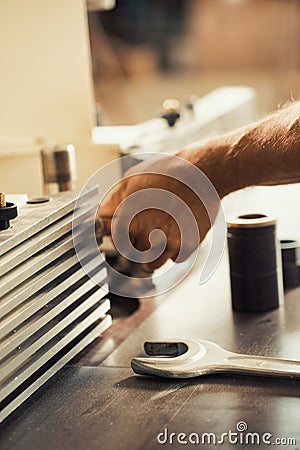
(97, 402)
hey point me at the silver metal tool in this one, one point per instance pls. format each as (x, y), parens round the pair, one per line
(59, 169)
(189, 358)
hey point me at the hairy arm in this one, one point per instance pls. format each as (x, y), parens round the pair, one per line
(264, 153)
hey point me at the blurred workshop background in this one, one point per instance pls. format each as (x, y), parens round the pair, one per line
(144, 51)
(60, 57)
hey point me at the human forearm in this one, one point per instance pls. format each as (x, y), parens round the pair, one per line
(264, 153)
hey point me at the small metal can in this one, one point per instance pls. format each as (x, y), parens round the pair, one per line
(59, 169)
(255, 263)
(290, 255)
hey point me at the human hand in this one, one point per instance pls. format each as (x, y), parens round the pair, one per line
(165, 206)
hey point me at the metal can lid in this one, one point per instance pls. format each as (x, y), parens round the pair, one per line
(251, 220)
(291, 243)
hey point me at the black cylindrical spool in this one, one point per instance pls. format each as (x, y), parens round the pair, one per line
(290, 256)
(253, 259)
(7, 213)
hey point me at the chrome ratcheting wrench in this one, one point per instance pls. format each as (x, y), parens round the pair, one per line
(189, 358)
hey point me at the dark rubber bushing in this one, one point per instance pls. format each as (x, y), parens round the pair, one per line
(9, 212)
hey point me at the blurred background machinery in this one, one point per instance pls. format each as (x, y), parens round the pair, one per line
(114, 63)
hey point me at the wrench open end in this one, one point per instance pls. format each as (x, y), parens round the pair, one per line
(171, 358)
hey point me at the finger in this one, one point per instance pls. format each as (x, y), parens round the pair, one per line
(103, 226)
(184, 251)
(161, 260)
(104, 217)
(141, 242)
(107, 209)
